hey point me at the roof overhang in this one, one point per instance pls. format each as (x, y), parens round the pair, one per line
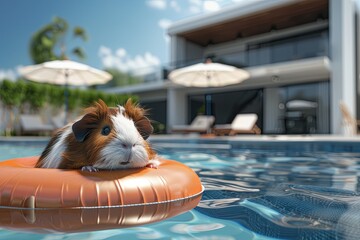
(239, 20)
(271, 75)
(279, 74)
(299, 71)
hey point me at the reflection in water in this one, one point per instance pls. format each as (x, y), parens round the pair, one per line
(292, 211)
(278, 195)
(185, 228)
(71, 220)
(288, 195)
(254, 195)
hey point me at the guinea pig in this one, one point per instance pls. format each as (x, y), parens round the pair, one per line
(104, 138)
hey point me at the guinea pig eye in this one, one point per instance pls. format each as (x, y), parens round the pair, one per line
(105, 130)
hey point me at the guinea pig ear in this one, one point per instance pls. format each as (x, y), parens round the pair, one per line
(82, 128)
(144, 127)
(136, 113)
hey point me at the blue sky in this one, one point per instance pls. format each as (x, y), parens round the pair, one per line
(122, 33)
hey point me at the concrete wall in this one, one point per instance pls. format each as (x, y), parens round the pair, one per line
(342, 50)
(194, 52)
(176, 107)
(177, 50)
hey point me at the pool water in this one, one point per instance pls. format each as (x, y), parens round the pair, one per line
(257, 193)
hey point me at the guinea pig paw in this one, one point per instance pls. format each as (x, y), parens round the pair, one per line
(89, 169)
(153, 164)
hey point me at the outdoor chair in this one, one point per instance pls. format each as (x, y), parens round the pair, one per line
(32, 124)
(58, 121)
(351, 124)
(200, 124)
(243, 123)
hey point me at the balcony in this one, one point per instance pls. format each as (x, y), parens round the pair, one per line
(261, 59)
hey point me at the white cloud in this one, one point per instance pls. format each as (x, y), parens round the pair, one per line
(211, 6)
(193, 6)
(121, 53)
(138, 65)
(174, 5)
(197, 6)
(164, 23)
(9, 74)
(106, 56)
(157, 4)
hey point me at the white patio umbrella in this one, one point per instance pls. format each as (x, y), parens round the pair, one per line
(208, 74)
(65, 72)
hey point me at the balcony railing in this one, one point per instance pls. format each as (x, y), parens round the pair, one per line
(295, 48)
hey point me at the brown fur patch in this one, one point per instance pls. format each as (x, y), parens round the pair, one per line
(137, 114)
(87, 152)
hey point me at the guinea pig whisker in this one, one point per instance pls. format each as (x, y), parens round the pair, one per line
(102, 160)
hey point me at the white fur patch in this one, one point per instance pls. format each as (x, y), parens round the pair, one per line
(121, 110)
(53, 159)
(126, 150)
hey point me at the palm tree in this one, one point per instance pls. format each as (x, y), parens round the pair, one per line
(48, 43)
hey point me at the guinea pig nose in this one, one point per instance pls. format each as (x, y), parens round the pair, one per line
(124, 145)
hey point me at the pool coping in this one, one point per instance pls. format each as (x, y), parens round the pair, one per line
(233, 144)
(257, 138)
(210, 139)
(207, 143)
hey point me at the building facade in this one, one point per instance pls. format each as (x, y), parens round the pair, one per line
(301, 56)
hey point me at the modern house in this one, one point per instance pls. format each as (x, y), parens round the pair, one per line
(302, 56)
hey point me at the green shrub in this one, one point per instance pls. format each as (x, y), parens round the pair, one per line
(16, 94)
(21, 94)
(55, 96)
(12, 93)
(35, 95)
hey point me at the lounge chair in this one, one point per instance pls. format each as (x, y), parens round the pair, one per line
(32, 124)
(243, 123)
(200, 124)
(351, 124)
(58, 121)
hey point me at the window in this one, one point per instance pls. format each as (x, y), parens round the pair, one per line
(289, 49)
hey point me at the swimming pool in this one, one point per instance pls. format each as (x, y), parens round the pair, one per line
(253, 190)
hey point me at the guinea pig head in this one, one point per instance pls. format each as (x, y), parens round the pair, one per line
(114, 138)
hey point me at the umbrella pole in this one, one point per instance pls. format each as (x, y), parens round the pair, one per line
(208, 105)
(66, 96)
(208, 109)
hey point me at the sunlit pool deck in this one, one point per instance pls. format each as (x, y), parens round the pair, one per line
(264, 142)
(233, 143)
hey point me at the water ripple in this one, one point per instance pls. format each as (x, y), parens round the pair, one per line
(258, 194)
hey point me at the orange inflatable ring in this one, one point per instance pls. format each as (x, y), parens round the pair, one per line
(23, 186)
(69, 220)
